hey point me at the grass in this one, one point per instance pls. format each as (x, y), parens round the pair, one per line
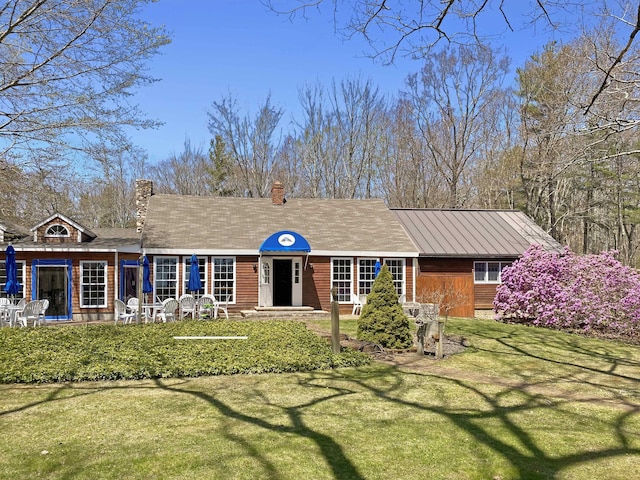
(520, 403)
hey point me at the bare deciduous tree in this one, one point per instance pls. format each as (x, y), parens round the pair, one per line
(446, 295)
(339, 140)
(250, 142)
(415, 29)
(183, 173)
(454, 101)
(68, 69)
(107, 198)
(407, 180)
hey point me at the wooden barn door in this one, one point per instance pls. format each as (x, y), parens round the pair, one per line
(461, 286)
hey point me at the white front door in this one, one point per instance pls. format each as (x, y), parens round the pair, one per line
(296, 277)
(265, 292)
(280, 286)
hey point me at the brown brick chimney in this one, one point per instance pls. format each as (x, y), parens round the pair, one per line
(277, 193)
(144, 190)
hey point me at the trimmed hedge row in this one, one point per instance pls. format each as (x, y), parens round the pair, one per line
(107, 352)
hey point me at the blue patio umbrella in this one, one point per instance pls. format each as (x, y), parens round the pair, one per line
(12, 287)
(146, 275)
(377, 269)
(195, 283)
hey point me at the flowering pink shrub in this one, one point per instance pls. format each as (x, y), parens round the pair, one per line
(592, 293)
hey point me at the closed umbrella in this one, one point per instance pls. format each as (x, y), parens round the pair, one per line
(195, 283)
(146, 276)
(12, 287)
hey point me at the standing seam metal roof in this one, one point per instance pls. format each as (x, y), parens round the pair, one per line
(473, 233)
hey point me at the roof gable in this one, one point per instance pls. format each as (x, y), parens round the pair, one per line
(64, 219)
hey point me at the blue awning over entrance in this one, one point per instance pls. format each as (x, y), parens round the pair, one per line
(285, 241)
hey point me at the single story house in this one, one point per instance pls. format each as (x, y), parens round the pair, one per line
(268, 253)
(275, 252)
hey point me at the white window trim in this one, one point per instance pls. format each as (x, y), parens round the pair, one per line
(404, 273)
(186, 266)
(22, 266)
(57, 235)
(358, 283)
(235, 276)
(106, 282)
(155, 273)
(486, 263)
(350, 259)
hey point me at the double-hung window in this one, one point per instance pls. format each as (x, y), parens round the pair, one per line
(202, 270)
(93, 284)
(397, 269)
(165, 277)
(20, 264)
(342, 278)
(224, 278)
(488, 272)
(366, 275)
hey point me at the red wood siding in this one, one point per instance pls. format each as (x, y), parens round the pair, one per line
(446, 274)
(316, 284)
(485, 293)
(459, 272)
(76, 257)
(246, 284)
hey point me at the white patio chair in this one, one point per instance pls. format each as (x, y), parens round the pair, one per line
(133, 304)
(122, 312)
(207, 305)
(4, 312)
(357, 304)
(30, 312)
(187, 306)
(168, 311)
(224, 307)
(42, 316)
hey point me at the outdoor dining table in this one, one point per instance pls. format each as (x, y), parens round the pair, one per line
(12, 311)
(151, 310)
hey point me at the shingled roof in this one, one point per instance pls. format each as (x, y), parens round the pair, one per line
(473, 233)
(222, 225)
(105, 240)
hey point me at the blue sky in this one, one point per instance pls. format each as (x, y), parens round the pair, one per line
(238, 47)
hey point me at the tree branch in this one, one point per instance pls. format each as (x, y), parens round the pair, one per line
(617, 61)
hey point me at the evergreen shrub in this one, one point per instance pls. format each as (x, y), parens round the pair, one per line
(108, 352)
(382, 319)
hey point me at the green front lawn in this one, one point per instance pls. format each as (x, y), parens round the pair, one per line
(520, 403)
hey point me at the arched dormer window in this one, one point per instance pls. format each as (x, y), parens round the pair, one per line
(57, 230)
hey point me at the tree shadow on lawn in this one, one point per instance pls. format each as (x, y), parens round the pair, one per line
(494, 415)
(559, 358)
(332, 452)
(529, 456)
